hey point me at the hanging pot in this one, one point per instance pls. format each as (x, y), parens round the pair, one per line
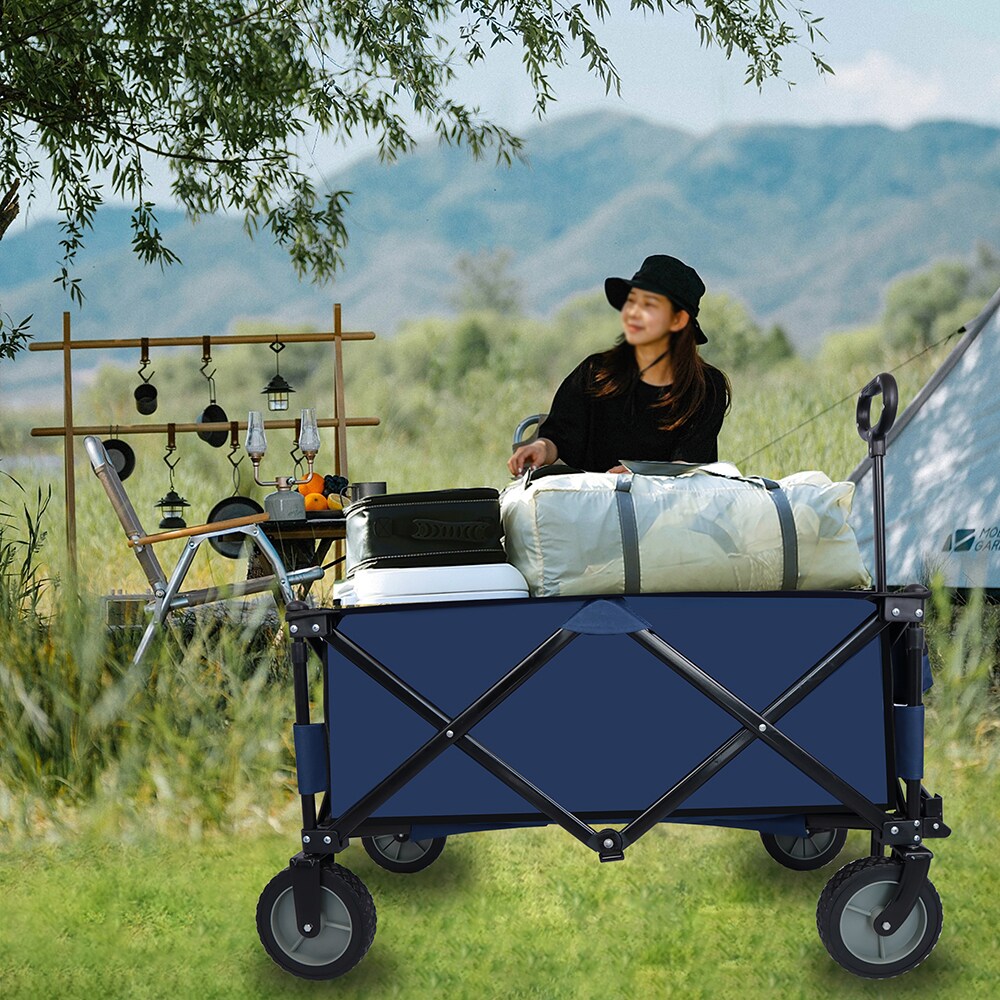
(213, 413)
(122, 457)
(231, 545)
(145, 398)
(145, 391)
(237, 505)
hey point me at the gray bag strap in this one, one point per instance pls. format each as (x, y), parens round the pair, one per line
(629, 530)
(789, 539)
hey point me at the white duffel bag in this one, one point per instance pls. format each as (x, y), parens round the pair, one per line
(701, 528)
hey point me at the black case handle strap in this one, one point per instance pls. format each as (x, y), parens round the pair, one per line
(425, 529)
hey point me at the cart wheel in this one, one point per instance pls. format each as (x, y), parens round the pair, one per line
(395, 852)
(849, 906)
(803, 854)
(347, 925)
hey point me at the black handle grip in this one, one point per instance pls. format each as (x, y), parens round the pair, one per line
(884, 385)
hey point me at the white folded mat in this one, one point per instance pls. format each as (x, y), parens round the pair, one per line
(425, 584)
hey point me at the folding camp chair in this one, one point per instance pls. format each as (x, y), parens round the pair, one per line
(167, 595)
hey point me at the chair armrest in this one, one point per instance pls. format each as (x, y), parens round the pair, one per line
(200, 529)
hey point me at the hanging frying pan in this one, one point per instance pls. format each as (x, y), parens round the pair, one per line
(122, 457)
(213, 413)
(231, 545)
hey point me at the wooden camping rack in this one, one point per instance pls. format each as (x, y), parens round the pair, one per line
(70, 430)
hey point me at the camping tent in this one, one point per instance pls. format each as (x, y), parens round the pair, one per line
(942, 471)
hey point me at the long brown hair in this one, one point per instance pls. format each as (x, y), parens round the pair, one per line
(617, 373)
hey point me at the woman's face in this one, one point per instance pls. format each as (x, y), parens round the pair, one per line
(647, 318)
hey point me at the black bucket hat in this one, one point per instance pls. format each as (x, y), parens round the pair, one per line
(667, 276)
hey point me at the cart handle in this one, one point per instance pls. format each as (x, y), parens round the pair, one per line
(884, 385)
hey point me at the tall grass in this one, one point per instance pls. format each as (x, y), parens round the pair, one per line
(964, 641)
(199, 738)
(191, 737)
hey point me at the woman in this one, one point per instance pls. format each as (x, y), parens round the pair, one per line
(650, 397)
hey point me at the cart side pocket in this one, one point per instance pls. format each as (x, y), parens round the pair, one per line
(311, 761)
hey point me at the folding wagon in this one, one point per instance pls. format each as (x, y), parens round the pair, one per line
(795, 714)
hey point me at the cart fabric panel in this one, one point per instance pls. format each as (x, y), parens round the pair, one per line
(605, 728)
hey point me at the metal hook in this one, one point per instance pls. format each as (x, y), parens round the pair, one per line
(171, 448)
(234, 447)
(299, 458)
(144, 361)
(206, 360)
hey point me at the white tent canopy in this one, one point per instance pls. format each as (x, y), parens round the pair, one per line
(942, 471)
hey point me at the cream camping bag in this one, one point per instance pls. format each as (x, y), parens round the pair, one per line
(703, 528)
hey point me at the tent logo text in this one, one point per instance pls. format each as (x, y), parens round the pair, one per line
(973, 540)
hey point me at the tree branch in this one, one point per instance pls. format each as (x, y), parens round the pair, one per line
(9, 207)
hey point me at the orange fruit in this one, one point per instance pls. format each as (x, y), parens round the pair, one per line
(314, 484)
(316, 501)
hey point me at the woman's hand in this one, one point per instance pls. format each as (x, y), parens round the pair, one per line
(539, 452)
(618, 469)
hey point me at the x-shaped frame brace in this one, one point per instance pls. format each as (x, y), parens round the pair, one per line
(593, 619)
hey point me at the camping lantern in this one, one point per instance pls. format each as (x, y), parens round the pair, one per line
(172, 507)
(277, 389)
(172, 504)
(277, 393)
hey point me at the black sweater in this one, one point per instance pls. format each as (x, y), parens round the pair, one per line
(594, 434)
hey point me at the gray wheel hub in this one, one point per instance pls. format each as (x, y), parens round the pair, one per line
(857, 926)
(335, 930)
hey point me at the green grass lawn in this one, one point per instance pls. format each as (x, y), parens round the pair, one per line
(691, 912)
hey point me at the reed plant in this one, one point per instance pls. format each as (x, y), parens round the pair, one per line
(193, 737)
(200, 737)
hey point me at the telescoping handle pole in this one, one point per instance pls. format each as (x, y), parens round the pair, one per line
(885, 386)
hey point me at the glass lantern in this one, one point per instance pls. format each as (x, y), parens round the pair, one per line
(172, 507)
(256, 442)
(309, 435)
(277, 391)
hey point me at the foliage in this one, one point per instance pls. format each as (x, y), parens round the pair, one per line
(486, 284)
(21, 574)
(229, 95)
(964, 641)
(922, 308)
(735, 340)
(13, 336)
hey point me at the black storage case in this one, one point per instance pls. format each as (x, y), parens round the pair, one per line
(435, 528)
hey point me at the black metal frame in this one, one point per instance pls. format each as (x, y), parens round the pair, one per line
(914, 817)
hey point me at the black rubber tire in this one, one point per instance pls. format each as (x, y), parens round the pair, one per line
(347, 925)
(805, 854)
(866, 886)
(411, 855)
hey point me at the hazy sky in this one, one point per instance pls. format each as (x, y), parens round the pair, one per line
(896, 62)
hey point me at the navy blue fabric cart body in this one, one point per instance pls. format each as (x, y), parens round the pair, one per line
(796, 714)
(605, 728)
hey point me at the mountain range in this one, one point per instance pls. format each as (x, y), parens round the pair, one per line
(806, 225)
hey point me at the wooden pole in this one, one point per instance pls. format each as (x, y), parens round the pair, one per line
(271, 425)
(69, 470)
(222, 341)
(339, 405)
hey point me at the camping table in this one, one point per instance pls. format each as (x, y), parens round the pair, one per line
(305, 542)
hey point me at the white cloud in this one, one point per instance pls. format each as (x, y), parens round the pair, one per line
(880, 88)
